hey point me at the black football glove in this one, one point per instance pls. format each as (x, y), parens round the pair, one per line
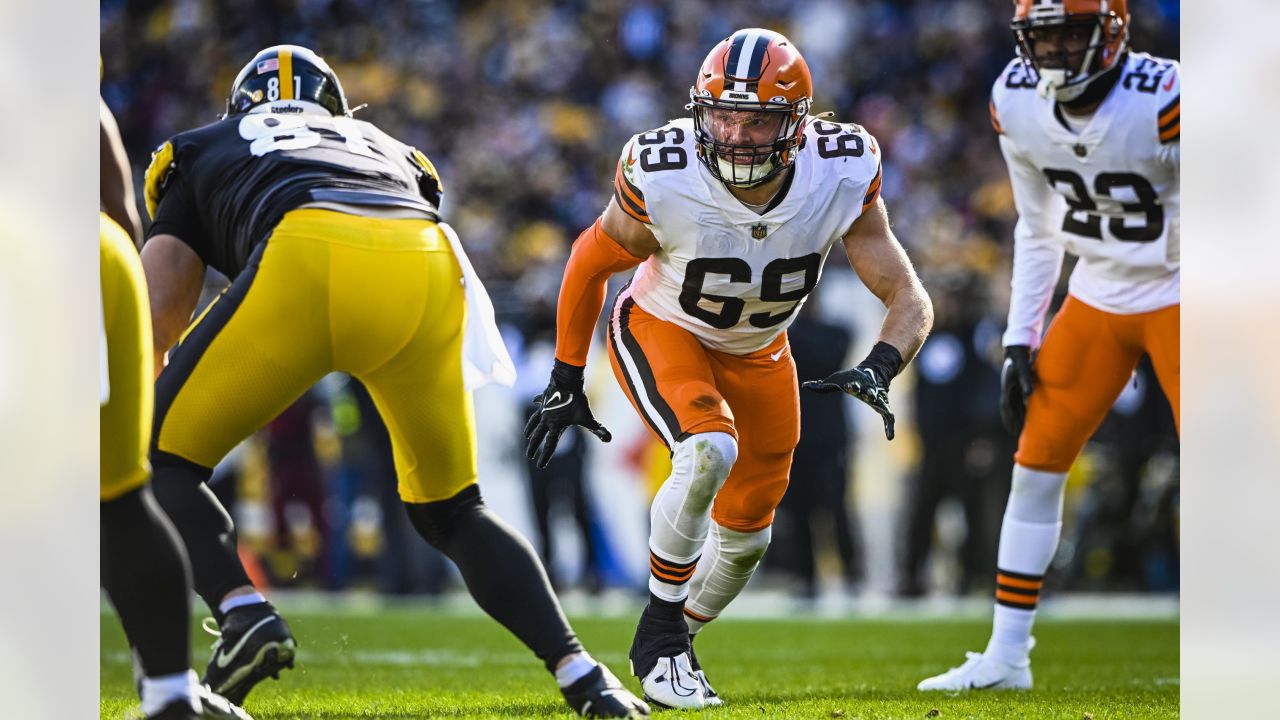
(863, 384)
(1016, 383)
(561, 405)
(869, 382)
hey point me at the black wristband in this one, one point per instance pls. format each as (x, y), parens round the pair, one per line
(567, 376)
(885, 360)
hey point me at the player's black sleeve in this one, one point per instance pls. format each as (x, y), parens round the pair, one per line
(176, 215)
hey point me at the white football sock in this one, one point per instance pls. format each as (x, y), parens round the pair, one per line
(681, 511)
(728, 562)
(159, 691)
(230, 604)
(1028, 540)
(574, 669)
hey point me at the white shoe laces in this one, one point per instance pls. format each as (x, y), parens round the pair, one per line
(210, 626)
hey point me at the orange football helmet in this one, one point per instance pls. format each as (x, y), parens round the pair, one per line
(750, 106)
(1070, 43)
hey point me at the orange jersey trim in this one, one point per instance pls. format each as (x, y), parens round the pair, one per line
(995, 119)
(629, 197)
(1170, 120)
(873, 191)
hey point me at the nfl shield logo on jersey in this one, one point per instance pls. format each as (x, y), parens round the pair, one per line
(759, 230)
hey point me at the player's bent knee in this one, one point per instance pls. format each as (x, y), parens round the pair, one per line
(437, 521)
(710, 457)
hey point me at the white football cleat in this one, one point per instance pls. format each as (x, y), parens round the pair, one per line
(672, 684)
(708, 692)
(981, 672)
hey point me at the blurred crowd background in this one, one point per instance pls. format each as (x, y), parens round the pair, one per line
(524, 107)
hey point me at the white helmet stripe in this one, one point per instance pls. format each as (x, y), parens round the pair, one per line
(743, 67)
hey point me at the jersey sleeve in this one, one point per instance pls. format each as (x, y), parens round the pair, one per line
(169, 202)
(1169, 118)
(1037, 253)
(873, 188)
(627, 181)
(1169, 96)
(429, 185)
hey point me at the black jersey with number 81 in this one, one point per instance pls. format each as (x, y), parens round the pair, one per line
(223, 187)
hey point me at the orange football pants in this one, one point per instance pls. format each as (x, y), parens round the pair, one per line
(1087, 357)
(680, 388)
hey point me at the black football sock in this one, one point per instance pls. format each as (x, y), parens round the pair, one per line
(145, 574)
(501, 571)
(205, 526)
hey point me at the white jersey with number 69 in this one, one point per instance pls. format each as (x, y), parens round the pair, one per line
(1105, 190)
(732, 277)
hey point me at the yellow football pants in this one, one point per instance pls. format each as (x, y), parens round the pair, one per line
(379, 299)
(124, 422)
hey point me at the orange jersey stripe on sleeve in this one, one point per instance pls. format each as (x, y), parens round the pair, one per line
(630, 198)
(1170, 120)
(873, 191)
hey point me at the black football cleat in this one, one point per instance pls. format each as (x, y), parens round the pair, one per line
(254, 643)
(176, 710)
(599, 694)
(212, 707)
(660, 659)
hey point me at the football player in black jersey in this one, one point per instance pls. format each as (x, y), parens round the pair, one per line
(328, 229)
(144, 567)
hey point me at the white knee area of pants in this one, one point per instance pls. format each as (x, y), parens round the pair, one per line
(1036, 496)
(727, 565)
(681, 510)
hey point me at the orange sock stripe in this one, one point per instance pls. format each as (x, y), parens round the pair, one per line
(699, 618)
(672, 572)
(671, 578)
(673, 566)
(1003, 579)
(1024, 602)
(1026, 595)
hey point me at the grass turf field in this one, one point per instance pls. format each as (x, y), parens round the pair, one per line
(405, 662)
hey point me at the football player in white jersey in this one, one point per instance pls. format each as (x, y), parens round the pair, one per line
(729, 215)
(1090, 132)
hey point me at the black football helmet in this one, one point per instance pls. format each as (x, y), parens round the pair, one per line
(287, 72)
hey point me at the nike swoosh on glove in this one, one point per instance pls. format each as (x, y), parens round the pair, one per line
(559, 407)
(861, 383)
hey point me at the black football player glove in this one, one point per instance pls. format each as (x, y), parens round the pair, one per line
(1016, 384)
(560, 406)
(861, 383)
(869, 382)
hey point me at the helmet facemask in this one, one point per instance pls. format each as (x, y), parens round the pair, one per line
(1069, 52)
(746, 143)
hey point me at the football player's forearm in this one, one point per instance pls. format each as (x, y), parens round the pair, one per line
(908, 320)
(594, 258)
